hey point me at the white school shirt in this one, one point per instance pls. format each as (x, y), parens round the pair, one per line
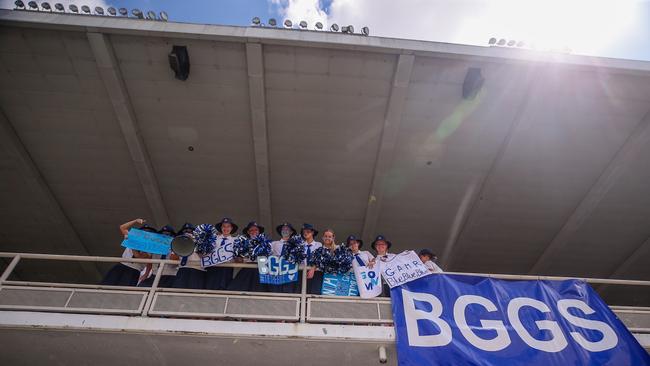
(433, 267)
(364, 255)
(196, 259)
(229, 239)
(276, 247)
(128, 254)
(168, 270)
(313, 245)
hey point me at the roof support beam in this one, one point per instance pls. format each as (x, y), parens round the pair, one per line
(392, 122)
(257, 95)
(10, 140)
(114, 83)
(468, 217)
(639, 137)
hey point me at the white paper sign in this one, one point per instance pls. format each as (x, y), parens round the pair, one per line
(402, 268)
(368, 280)
(222, 254)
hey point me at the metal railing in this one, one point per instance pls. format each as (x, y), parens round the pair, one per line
(243, 305)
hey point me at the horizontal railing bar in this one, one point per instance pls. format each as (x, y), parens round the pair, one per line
(224, 292)
(75, 285)
(82, 258)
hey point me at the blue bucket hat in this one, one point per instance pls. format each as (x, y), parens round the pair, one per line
(250, 225)
(226, 220)
(353, 237)
(187, 228)
(148, 228)
(279, 228)
(308, 227)
(378, 238)
(167, 230)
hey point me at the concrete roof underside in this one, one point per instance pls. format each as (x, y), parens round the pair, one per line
(546, 171)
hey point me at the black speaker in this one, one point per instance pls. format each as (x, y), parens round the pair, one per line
(179, 61)
(473, 83)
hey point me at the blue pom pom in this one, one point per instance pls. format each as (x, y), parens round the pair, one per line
(339, 261)
(205, 236)
(294, 249)
(343, 258)
(260, 247)
(242, 246)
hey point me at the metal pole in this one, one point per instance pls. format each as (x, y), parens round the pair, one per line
(9, 269)
(153, 289)
(303, 296)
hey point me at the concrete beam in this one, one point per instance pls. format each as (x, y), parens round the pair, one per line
(639, 138)
(72, 243)
(257, 95)
(392, 122)
(114, 83)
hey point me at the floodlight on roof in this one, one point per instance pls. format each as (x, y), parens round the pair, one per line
(151, 15)
(288, 23)
(502, 42)
(111, 10)
(492, 41)
(19, 4)
(85, 9)
(73, 8)
(319, 25)
(163, 16)
(511, 43)
(45, 5)
(99, 10)
(256, 21)
(273, 22)
(137, 13)
(365, 31)
(123, 12)
(303, 24)
(334, 27)
(59, 7)
(33, 5)
(347, 29)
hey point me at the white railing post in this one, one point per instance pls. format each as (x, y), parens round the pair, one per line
(303, 296)
(9, 269)
(152, 291)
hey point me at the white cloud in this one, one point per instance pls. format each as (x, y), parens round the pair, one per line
(586, 26)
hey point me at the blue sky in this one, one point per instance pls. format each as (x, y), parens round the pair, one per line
(608, 28)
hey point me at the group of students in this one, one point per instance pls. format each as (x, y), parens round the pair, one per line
(191, 275)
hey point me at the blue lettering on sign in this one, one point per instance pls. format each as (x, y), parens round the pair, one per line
(276, 270)
(339, 284)
(370, 279)
(148, 242)
(222, 254)
(451, 320)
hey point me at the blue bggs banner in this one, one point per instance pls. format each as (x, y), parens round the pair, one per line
(467, 320)
(145, 241)
(276, 270)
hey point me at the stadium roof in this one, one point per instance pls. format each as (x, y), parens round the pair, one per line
(545, 171)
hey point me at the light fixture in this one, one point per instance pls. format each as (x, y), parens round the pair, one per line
(179, 61)
(45, 5)
(59, 7)
(73, 8)
(33, 5)
(256, 21)
(99, 10)
(511, 43)
(520, 44)
(85, 9)
(273, 22)
(288, 23)
(365, 31)
(502, 42)
(303, 24)
(334, 27)
(112, 11)
(319, 25)
(163, 16)
(492, 41)
(137, 13)
(123, 12)
(473, 83)
(151, 15)
(347, 29)
(19, 4)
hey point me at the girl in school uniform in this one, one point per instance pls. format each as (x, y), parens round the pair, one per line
(362, 257)
(248, 279)
(148, 274)
(191, 275)
(381, 246)
(286, 231)
(217, 277)
(126, 273)
(329, 243)
(308, 233)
